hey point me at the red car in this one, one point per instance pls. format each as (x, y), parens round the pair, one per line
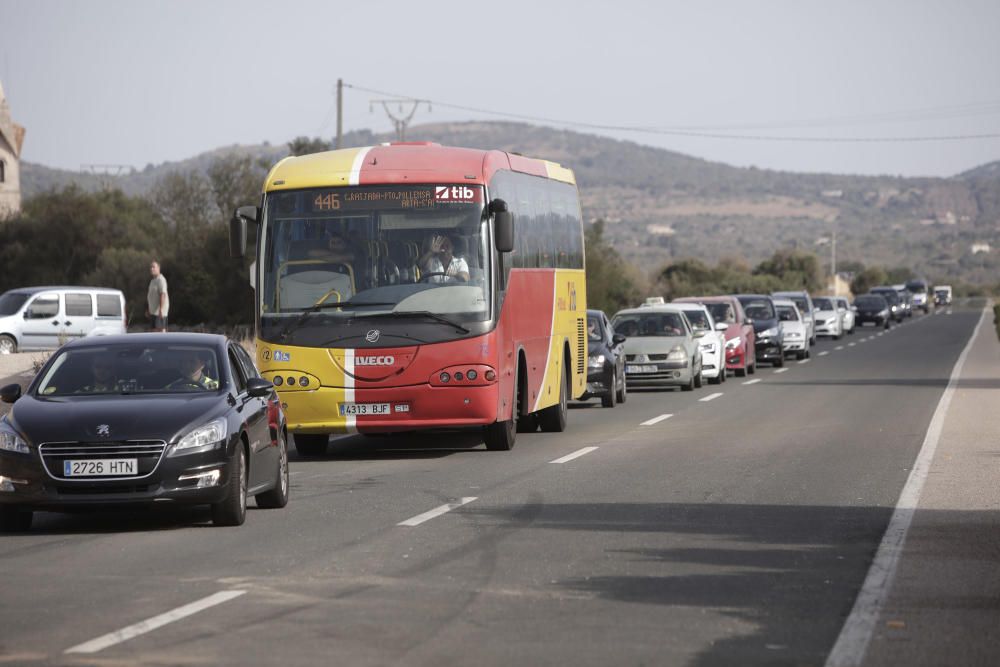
(740, 338)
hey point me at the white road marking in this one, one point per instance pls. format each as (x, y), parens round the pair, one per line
(881, 333)
(824, 353)
(781, 370)
(150, 624)
(575, 455)
(852, 643)
(710, 397)
(804, 361)
(655, 420)
(754, 381)
(851, 344)
(839, 347)
(437, 511)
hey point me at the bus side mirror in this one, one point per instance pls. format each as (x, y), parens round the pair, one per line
(238, 230)
(503, 226)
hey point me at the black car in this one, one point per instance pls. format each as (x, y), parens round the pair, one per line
(760, 309)
(606, 361)
(897, 310)
(871, 308)
(143, 419)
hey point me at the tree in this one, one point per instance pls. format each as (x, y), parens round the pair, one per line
(235, 180)
(306, 146)
(794, 269)
(611, 283)
(867, 279)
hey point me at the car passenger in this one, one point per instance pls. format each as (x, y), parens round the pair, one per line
(104, 379)
(192, 368)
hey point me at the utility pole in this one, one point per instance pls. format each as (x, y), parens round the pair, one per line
(340, 113)
(401, 121)
(833, 264)
(107, 172)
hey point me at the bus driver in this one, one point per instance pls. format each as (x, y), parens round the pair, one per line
(440, 259)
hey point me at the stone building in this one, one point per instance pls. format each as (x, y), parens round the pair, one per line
(11, 139)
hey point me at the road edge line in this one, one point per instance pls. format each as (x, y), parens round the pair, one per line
(855, 636)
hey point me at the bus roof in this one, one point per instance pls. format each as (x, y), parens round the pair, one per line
(404, 163)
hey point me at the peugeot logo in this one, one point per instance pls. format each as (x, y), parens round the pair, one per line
(103, 430)
(372, 336)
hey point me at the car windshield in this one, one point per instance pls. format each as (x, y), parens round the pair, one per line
(698, 319)
(802, 304)
(758, 309)
(917, 286)
(870, 301)
(594, 328)
(11, 302)
(889, 295)
(649, 324)
(788, 314)
(388, 249)
(721, 312)
(132, 369)
(823, 304)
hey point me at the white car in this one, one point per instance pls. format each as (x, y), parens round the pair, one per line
(43, 318)
(847, 317)
(712, 344)
(793, 329)
(827, 318)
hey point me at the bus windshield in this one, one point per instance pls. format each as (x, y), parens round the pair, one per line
(377, 250)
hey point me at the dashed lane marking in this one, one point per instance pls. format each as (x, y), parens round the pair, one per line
(839, 347)
(436, 512)
(804, 361)
(150, 624)
(710, 397)
(655, 420)
(824, 353)
(575, 455)
(781, 370)
(851, 344)
(754, 381)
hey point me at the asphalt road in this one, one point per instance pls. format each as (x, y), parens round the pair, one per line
(737, 531)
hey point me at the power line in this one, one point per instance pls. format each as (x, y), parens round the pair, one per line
(684, 132)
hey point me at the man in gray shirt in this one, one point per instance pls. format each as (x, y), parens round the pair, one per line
(157, 301)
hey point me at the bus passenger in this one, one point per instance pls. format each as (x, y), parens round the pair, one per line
(440, 259)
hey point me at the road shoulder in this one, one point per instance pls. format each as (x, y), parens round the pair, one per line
(944, 605)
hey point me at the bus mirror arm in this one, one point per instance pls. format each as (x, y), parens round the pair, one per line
(503, 226)
(238, 230)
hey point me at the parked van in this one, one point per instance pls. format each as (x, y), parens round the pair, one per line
(43, 318)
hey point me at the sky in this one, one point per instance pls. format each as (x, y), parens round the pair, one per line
(133, 83)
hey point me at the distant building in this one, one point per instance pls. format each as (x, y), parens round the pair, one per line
(11, 139)
(978, 247)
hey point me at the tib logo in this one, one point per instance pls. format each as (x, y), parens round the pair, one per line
(454, 193)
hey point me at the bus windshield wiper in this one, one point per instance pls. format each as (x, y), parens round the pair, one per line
(315, 308)
(417, 313)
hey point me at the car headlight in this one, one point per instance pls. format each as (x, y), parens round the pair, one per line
(769, 333)
(677, 354)
(733, 343)
(894, 308)
(201, 438)
(883, 312)
(596, 362)
(12, 442)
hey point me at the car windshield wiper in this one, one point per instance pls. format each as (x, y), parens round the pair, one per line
(417, 313)
(315, 308)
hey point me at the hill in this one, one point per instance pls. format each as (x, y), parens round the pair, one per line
(661, 205)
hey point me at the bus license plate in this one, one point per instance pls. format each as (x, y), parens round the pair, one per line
(641, 369)
(356, 409)
(100, 468)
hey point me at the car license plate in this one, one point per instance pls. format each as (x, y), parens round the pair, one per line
(640, 369)
(356, 409)
(100, 468)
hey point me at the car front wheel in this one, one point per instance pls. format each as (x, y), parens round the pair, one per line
(232, 510)
(278, 496)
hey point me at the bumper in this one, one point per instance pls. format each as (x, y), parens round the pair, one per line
(598, 383)
(793, 345)
(413, 407)
(828, 330)
(769, 349)
(874, 319)
(736, 358)
(668, 374)
(35, 488)
(711, 365)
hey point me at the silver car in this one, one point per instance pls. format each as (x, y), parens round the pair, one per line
(828, 320)
(661, 347)
(805, 305)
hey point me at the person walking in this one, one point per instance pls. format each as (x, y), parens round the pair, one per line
(157, 301)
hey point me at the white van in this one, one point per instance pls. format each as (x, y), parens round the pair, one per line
(43, 318)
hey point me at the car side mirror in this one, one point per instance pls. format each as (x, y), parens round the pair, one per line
(259, 387)
(618, 339)
(721, 326)
(10, 393)
(503, 226)
(700, 333)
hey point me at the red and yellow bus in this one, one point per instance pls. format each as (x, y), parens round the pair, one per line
(413, 286)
